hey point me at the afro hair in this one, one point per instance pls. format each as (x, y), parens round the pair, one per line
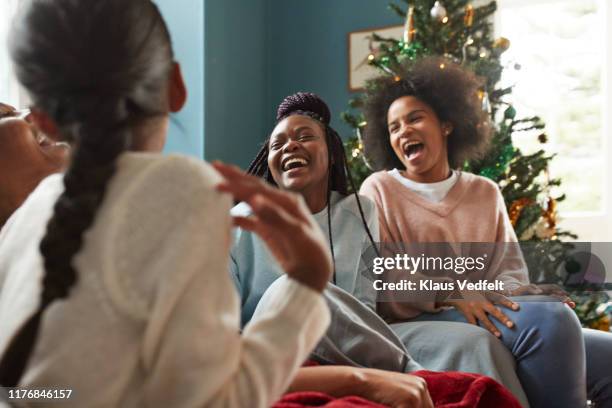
(452, 93)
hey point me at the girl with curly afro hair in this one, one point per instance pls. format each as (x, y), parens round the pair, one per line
(447, 98)
(422, 125)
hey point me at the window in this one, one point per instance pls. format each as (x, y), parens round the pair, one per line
(9, 90)
(560, 48)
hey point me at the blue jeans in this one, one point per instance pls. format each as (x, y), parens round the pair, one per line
(549, 346)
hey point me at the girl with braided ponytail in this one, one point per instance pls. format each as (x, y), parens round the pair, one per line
(114, 274)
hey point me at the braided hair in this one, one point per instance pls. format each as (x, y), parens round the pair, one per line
(95, 80)
(339, 173)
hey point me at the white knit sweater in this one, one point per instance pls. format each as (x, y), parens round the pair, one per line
(154, 318)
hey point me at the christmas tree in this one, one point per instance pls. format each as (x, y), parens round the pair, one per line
(463, 33)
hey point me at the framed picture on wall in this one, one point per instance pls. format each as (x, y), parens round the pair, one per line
(360, 46)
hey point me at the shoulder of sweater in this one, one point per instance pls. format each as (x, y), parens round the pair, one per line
(480, 184)
(168, 178)
(175, 166)
(162, 191)
(381, 176)
(349, 204)
(374, 182)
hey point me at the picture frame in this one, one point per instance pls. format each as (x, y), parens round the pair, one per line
(359, 48)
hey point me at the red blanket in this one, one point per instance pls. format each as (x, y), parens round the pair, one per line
(448, 390)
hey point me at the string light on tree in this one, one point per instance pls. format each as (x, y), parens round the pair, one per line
(484, 53)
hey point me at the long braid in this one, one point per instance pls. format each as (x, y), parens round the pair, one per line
(344, 173)
(329, 191)
(259, 166)
(95, 82)
(356, 195)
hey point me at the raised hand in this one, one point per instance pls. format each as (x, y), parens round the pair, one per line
(283, 221)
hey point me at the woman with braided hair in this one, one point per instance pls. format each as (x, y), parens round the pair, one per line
(305, 155)
(114, 274)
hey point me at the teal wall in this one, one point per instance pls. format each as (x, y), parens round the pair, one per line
(237, 117)
(241, 57)
(309, 47)
(185, 18)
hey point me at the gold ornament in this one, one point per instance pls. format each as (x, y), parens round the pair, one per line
(468, 18)
(502, 44)
(545, 227)
(550, 213)
(409, 31)
(517, 207)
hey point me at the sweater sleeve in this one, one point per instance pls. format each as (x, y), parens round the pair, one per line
(192, 352)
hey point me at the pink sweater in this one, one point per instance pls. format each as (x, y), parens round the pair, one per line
(472, 211)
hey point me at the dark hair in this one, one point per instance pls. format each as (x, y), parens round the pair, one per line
(339, 174)
(96, 67)
(450, 90)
